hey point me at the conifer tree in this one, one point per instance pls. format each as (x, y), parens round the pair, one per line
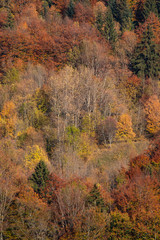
(139, 13)
(158, 7)
(99, 22)
(95, 198)
(121, 13)
(145, 60)
(70, 9)
(109, 28)
(150, 6)
(39, 177)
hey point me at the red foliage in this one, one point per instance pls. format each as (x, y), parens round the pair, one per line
(83, 13)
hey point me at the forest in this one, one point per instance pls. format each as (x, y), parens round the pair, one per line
(79, 119)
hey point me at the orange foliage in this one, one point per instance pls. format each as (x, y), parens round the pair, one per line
(61, 6)
(154, 23)
(152, 111)
(83, 13)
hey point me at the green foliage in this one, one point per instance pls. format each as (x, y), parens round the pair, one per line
(109, 28)
(11, 76)
(100, 21)
(150, 6)
(120, 227)
(74, 56)
(39, 177)
(44, 9)
(105, 25)
(42, 101)
(32, 115)
(10, 20)
(158, 7)
(95, 199)
(70, 10)
(72, 135)
(121, 13)
(145, 60)
(88, 125)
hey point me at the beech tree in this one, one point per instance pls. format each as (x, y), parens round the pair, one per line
(124, 128)
(152, 112)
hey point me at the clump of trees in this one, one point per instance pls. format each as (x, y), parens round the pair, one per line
(79, 104)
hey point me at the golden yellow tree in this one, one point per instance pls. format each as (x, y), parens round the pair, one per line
(152, 111)
(124, 128)
(34, 156)
(8, 119)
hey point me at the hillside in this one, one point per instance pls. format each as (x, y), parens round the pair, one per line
(79, 119)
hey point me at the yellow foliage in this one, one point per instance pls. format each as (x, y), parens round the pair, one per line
(8, 118)
(99, 7)
(124, 128)
(34, 156)
(152, 111)
(86, 147)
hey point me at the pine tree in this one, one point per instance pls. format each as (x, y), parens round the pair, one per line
(99, 22)
(121, 13)
(95, 198)
(139, 13)
(109, 28)
(150, 6)
(145, 61)
(158, 7)
(70, 9)
(39, 177)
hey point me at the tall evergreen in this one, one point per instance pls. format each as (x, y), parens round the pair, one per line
(139, 13)
(95, 198)
(109, 28)
(121, 13)
(158, 7)
(150, 6)
(70, 9)
(100, 21)
(39, 177)
(145, 60)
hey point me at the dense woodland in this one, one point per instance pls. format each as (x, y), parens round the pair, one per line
(79, 119)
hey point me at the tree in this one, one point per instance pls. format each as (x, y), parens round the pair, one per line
(8, 119)
(99, 21)
(139, 16)
(121, 13)
(109, 28)
(152, 111)
(70, 10)
(150, 6)
(39, 177)
(120, 226)
(124, 128)
(28, 216)
(95, 199)
(106, 131)
(34, 156)
(145, 60)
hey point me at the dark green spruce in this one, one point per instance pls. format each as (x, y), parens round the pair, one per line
(39, 177)
(70, 9)
(150, 6)
(95, 198)
(121, 13)
(145, 61)
(109, 28)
